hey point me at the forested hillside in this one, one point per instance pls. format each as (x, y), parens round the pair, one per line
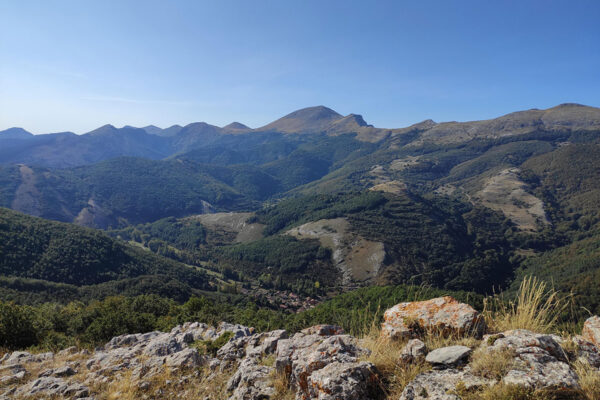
(49, 251)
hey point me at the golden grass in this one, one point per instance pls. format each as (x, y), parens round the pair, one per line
(492, 364)
(436, 340)
(165, 385)
(281, 384)
(589, 379)
(501, 392)
(385, 355)
(536, 308)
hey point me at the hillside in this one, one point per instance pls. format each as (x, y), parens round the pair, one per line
(34, 248)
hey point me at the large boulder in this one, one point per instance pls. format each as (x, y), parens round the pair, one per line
(444, 315)
(591, 330)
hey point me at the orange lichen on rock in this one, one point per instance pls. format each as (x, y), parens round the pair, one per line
(591, 330)
(444, 315)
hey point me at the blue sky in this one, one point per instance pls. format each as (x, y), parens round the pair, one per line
(76, 65)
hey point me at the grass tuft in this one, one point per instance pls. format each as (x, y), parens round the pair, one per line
(589, 379)
(492, 364)
(536, 308)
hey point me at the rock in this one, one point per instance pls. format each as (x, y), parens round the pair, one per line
(448, 356)
(188, 358)
(7, 380)
(237, 330)
(64, 371)
(14, 368)
(162, 345)
(348, 381)
(49, 386)
(440, 385)
(443, 314)
(22, 357)
(414, 350)
(68, 351)
(323, 330)
(251, 381)
(587, 351)
(539, 361)
(591, 330)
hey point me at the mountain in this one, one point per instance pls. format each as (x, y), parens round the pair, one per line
(65, 150)
(236, 127)
(15, 133)
(167, 132)
(571, 117)
(130, 190)
(459, 206)
(306, 120)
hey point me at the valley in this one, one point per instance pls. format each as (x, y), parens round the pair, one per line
(314, 205)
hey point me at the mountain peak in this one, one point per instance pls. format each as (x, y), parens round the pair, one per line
(104, 129)
(306, 120)
(15, 133)
(236, 126)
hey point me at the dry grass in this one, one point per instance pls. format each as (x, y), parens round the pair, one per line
(385, 355)
(502, 392)
(536, 308)
(436, 340)
(492, 364)
(281, 384)
(589, 379)
(165, 385)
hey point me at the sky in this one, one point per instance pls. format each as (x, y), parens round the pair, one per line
(77, 65)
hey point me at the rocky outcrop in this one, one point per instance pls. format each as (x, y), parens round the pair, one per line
(443, 315)
(320, 362)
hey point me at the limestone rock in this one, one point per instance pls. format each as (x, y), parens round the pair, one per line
(443, 314)
(57, 387)
(587, 351)
(323, 330)
(540, 362)
(440, 385)
(414, 350)
(348, 381)
(21, 357)
(448, 356)
(591, 330)
(251, 381)
(187, 358)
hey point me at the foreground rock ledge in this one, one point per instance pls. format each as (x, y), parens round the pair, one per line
(320, 362)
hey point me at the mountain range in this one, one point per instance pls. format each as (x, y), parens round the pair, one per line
(317, 202)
